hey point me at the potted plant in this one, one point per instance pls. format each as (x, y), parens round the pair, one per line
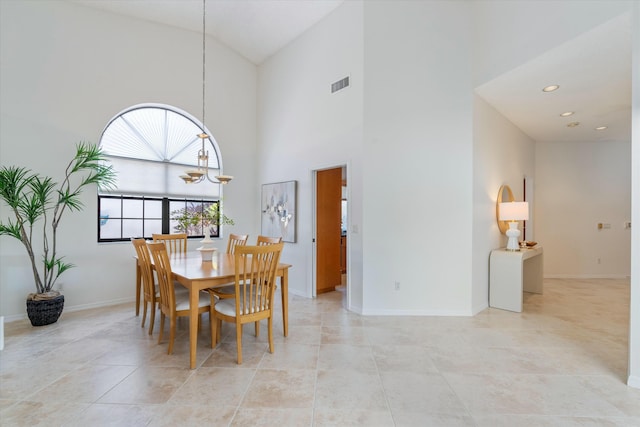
(188, 220)
(191, 219)
(213, 217)
(37, 204)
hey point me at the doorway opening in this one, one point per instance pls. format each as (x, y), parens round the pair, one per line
(331, 224)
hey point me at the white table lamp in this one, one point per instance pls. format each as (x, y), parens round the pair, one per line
(513, 212)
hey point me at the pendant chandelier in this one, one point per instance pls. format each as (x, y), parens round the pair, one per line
(195, 176)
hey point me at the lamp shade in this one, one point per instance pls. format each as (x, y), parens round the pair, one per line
(514, 211)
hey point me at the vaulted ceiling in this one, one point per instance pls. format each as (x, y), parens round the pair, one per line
(254, 28)
(592, 70)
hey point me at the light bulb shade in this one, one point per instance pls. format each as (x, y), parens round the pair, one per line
(194, 173)
(514, 211)
(224, 178)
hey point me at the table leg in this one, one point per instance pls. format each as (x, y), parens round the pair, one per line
(285, 301)
(532, 278)
(193, 325)
(138, 288)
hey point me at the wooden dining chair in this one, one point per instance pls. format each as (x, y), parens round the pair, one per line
(176, 243)
(263, 241)
(172, 304)
(150, 292)
(228, 291)
(255, 279)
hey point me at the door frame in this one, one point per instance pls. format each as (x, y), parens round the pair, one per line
(314, 190)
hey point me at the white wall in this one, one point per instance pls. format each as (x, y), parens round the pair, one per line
(303, 127)
(417, 158)
(577, 186)
(411, 104)
(66, 70)
(502, 155)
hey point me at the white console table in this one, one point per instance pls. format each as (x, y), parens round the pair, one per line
(511, 273)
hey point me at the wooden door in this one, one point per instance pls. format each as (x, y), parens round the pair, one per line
(328, 217)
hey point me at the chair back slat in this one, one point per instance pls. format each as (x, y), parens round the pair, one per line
(165, 276)
(175, 243)
(146, 273)
(266, 240)
(236, 240)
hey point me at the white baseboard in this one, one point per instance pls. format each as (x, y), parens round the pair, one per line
(13, 317)
(633, 381)
(297, 293)
(72, 308)
(356, 309)
(586, 276)
(478, 309)
(416, 313)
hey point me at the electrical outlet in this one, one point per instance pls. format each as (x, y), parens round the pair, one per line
(397, 285)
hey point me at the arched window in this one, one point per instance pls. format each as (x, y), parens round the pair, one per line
(150, 146)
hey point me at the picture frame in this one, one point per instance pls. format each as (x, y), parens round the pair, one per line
(278, 210)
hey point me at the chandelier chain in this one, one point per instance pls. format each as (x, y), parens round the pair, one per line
(204, 62)
(195, 176)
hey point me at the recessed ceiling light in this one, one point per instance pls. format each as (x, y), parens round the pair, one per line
(601, 127)
(572, 124)
(567, 114)
(551, 88)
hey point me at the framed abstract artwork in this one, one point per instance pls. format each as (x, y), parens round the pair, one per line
(279, 210)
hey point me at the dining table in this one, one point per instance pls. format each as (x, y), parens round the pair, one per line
(196, 275)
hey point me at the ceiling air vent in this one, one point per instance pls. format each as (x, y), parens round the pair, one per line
(340, 84)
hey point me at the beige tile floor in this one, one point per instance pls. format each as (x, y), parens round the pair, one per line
(562, 362)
